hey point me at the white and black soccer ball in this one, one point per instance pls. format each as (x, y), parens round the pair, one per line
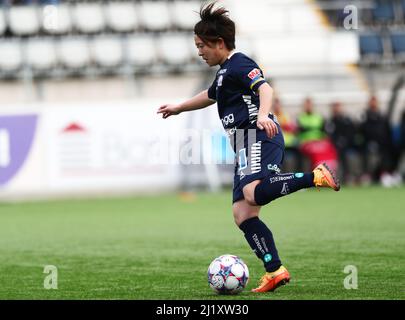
(228, 274)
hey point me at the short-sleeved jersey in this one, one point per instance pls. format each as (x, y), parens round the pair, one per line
(235, 91)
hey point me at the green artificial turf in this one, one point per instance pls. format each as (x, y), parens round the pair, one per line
(160, 247)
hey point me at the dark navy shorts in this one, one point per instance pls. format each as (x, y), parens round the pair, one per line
(255, 159)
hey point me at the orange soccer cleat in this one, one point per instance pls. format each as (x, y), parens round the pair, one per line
(272, 280)
(325, 177)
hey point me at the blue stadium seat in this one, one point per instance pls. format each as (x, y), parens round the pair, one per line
(403, 7)
(3, 23)
(383, 11)
(371, 44)
(398, 43)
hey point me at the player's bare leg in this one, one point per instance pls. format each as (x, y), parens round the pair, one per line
(242, 211)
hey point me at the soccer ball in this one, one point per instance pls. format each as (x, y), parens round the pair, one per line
(228, 274)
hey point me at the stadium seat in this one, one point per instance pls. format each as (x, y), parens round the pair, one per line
(155, 15)
(141, 50)
(121, 16)
(175, 49)
(303, 19)
(185, 14)
(347, 40)
(2, 22)
(245, 44)
(371, 44)
(107, 51)
(398, 45)
(88, 17)
(56, 19)
(403, 8)
(40, 54)
(383, 11)
(23, 20)
(73, 52)
(10, 55)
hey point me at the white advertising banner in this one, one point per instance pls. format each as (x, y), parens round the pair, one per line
(107, 146)
(88, 147)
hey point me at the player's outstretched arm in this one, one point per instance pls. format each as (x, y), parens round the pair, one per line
(199, 101)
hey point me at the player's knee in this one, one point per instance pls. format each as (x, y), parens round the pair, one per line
(249, 193)
(241, 215)
(238, 217)
(249, 197)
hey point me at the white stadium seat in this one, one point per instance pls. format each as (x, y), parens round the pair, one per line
(245, 45)
(24, 20)
(10, 55)
(155, 15)
(174, 49)
(74, 52)
(41, 54)
(185, 14)
(89, 17)
(305, 19)
(107, 51)
(2, 22)
(56, 19)
(121, 16)
(141, 50)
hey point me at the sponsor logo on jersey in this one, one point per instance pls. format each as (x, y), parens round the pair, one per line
(281, 178)
(231, 131)
(229, 119)
(274, 167)
(254, 73)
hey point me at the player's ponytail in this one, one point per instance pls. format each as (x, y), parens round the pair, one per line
(215, 24)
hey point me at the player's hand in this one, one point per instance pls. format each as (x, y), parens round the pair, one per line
(168, 110)
(265, 123)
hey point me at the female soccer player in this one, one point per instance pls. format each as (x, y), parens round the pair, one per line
(244, 101)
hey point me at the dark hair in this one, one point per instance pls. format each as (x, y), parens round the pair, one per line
(215, 24)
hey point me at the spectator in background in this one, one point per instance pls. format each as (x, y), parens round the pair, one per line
(313, 141)
(289, 128)
(398, 138)
(378, 145)
(401, 156)
(343, 133)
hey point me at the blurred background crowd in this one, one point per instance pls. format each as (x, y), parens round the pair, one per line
(364, 151)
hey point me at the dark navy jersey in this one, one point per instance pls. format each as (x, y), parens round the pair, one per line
(235, 91)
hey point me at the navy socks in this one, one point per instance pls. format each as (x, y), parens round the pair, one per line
(257, 234)
(277, 185)
(261, 241)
